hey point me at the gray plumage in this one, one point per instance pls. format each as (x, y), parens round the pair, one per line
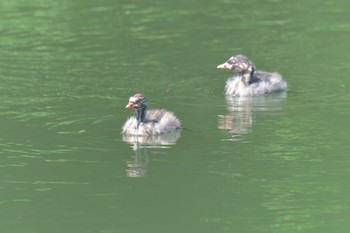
(249, 82)
(152, 122)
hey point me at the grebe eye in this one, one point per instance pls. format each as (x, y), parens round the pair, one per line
(231, 62)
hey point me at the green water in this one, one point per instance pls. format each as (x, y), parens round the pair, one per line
(273, 164)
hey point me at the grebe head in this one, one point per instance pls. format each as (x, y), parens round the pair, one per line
(240, 64)
(139, 103)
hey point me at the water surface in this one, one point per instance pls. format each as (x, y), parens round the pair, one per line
(270, 164)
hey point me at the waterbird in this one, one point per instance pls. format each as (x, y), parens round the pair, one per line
(248, 81)
(148, 122)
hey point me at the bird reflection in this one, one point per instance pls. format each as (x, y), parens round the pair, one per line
(137, 167)
(240, 112)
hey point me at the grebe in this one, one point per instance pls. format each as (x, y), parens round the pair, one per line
(248, 81)
(148, 122)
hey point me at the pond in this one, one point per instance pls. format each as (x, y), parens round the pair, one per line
(276, 163)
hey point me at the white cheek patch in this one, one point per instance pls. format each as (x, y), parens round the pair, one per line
(245, 65)
(133, 99)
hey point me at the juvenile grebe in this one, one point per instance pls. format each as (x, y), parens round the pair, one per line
(148, 122)
(248, 81)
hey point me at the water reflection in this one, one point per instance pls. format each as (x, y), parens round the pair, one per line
(137, 167)
(240, 112)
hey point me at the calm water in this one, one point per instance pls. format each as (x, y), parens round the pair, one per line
(270, 164)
